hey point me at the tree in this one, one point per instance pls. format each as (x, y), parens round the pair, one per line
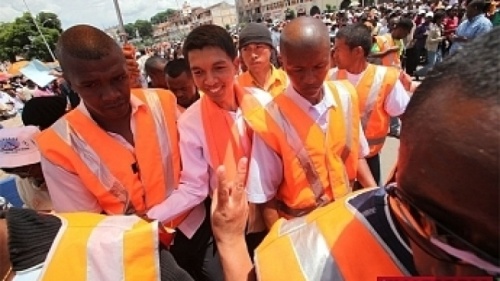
(130, 30)
(144, 27)
(21, 37)
(163, 16)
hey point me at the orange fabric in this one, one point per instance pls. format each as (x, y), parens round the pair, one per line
(378, 124)
(224, 142)
(275, 85)
(385, 42)
(324, 151)
(145, 187)
(68, 257)
(352, 246)
(221, 134)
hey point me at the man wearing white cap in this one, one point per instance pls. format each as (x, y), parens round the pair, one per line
(20, 156)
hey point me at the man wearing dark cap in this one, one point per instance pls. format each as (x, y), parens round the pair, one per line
(256, 48)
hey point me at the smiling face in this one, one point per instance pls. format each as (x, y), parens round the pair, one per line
(213, 72)
(102, 85)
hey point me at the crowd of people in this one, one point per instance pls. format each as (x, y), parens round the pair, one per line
(256, 156)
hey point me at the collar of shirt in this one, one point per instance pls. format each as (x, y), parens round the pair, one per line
(135, 103)
(475, 18)
(315, 111)
(272, 80)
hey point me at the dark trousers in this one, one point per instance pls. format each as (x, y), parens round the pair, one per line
(253, 240)
(411, 60)
(374, 165)
(198, 255)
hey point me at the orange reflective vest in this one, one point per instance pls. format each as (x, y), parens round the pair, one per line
(317, 166)
(373, 89)
(106, 248)
(350, 239)
(384, 42)
(225, 140)
(275, 85)
(121, 181)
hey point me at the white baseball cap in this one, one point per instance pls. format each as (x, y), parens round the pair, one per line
(18, 147)
(429, 15)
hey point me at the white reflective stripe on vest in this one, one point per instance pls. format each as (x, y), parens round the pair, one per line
(343, 91)
(92, 161)
(162, 134)
(105, 248)
(294, 140)
(312, 253)
(371, 99)
(333, 73)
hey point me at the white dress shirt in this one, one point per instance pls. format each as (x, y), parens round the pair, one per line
(198, 176)
(266, 167)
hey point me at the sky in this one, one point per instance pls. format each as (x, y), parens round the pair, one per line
(99, 13)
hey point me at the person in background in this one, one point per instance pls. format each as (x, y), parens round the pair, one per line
(381, 94)
(20, 156)
(450, 23)
(256, 48)
(180, 82)
(28, 91)
(389, 47)
(43, 112)
(434, 38)
(154, 68)
(473, 26)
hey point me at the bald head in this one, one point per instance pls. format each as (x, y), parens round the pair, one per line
(84, 42)
(304, 33)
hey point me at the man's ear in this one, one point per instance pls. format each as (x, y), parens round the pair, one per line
(236, 63)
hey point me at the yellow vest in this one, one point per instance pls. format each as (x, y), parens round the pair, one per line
(373, 89)
(105, 248)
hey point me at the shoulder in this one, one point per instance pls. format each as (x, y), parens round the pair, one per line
(342, 212)
(191, 118)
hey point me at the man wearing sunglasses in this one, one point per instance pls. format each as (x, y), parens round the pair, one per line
(440, 217)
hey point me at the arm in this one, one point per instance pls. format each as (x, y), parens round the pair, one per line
(269, 212)
(364, 175)
(194, 180)
(397, 100)
(67, 191)
(264, 177)
(229, 215)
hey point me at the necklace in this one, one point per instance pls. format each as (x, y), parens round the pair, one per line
(7, 274)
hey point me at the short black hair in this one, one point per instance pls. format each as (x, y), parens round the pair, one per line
(84, 42)
(438, 15)
(176, 67)
(472, 72)
(209, 36)
(314, 11)
(154, 62)
(405, 23)
(356, 35)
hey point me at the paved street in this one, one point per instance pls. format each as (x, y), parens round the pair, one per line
(389, 156)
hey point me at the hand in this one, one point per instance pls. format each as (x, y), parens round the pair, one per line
(406, 81)
(132, 66)
(229, 210)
